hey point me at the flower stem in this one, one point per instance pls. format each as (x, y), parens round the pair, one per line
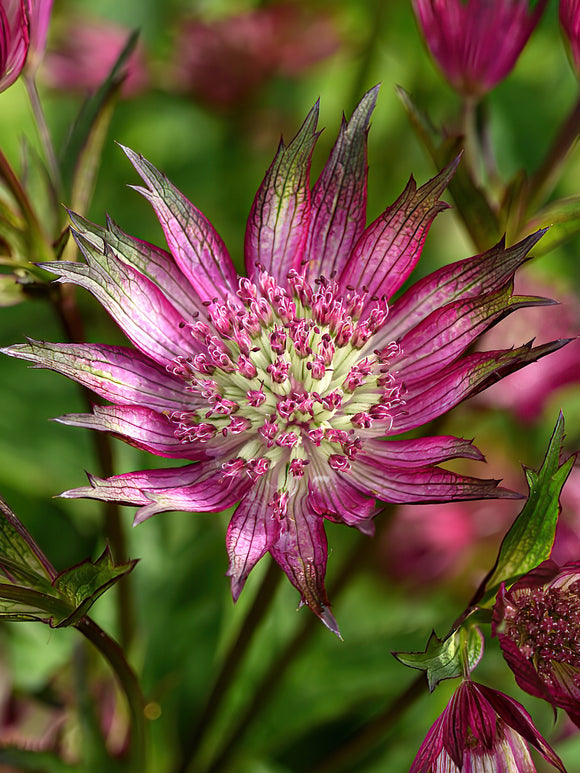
(231, 663)
(113, 653)
(368, 735)
(44, 134)
(541, 182)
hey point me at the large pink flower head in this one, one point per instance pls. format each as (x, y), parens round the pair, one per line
(537, 622)
(283, 388)
(482, 730)
(570, 20)
(476, 43)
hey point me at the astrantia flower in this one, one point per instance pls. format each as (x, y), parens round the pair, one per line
(482, 730)
(537, 622)
(282, 388)
(476, 43)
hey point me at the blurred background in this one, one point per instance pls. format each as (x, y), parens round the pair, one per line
(211, 87)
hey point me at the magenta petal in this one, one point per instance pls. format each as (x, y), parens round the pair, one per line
(15, 36)
(446, 333)
(301, 553)
(417, 452)
(135, 303)
(278, 223)
(339, 197)
(389, 249)
(152, 262)
(116, 373)
(140, 427)
(421, 484)
(335, 498)
(198, 250)
(481, 274)
(251, 533)
(425, 400)
(193, 488)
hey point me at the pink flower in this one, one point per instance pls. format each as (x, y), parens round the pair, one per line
(225, 61)
(537, 622)
(14, 40)
(23, 27)
(281, 389)
(570, 21)
(86, 53)
(476, 42)
(482, 730)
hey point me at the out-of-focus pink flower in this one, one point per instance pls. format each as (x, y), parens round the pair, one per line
(570, 21)
(14, 40)
(476, 42)
(537, 622)
(526, 394)
(23, 28)
(284, 389)
(84, 54)
(39, 12)
(225, 61)
(482, 730)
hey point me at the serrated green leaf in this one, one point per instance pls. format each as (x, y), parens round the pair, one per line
(21, 560)
(457, 655)
(530, 539)
(82, 585)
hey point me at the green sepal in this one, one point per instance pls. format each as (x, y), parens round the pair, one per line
(82, 585)
(470, 201)
(456, 655)
(21, 560)
(563, 219)
(531, 537)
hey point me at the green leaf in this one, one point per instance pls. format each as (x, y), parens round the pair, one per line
(457, 655)
(21, 560)
(470, 201)
(33, 761)
(82, 585)
(530, 539)
(563, 219)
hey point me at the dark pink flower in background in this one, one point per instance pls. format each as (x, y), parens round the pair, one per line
(570, 21)
(526, 394)
(537, 622)
(84, 54)
(223, 62)
(283, 389)
(14, 40)
(476, 43)
(482, 730)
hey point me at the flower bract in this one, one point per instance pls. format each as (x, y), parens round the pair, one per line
(482, 730)
(476, 43)
(283, 389)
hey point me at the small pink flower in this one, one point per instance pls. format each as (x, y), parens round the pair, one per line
(224, 62)
(292, 443)
(570, 21)
(14, 40)
(85, 53)
(482, 730)
(476, 42)
(537, 622)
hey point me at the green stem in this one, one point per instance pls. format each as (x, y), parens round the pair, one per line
(44, 134)
(542, 181)
(231, 664)
(129, 683)
(373, 732)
